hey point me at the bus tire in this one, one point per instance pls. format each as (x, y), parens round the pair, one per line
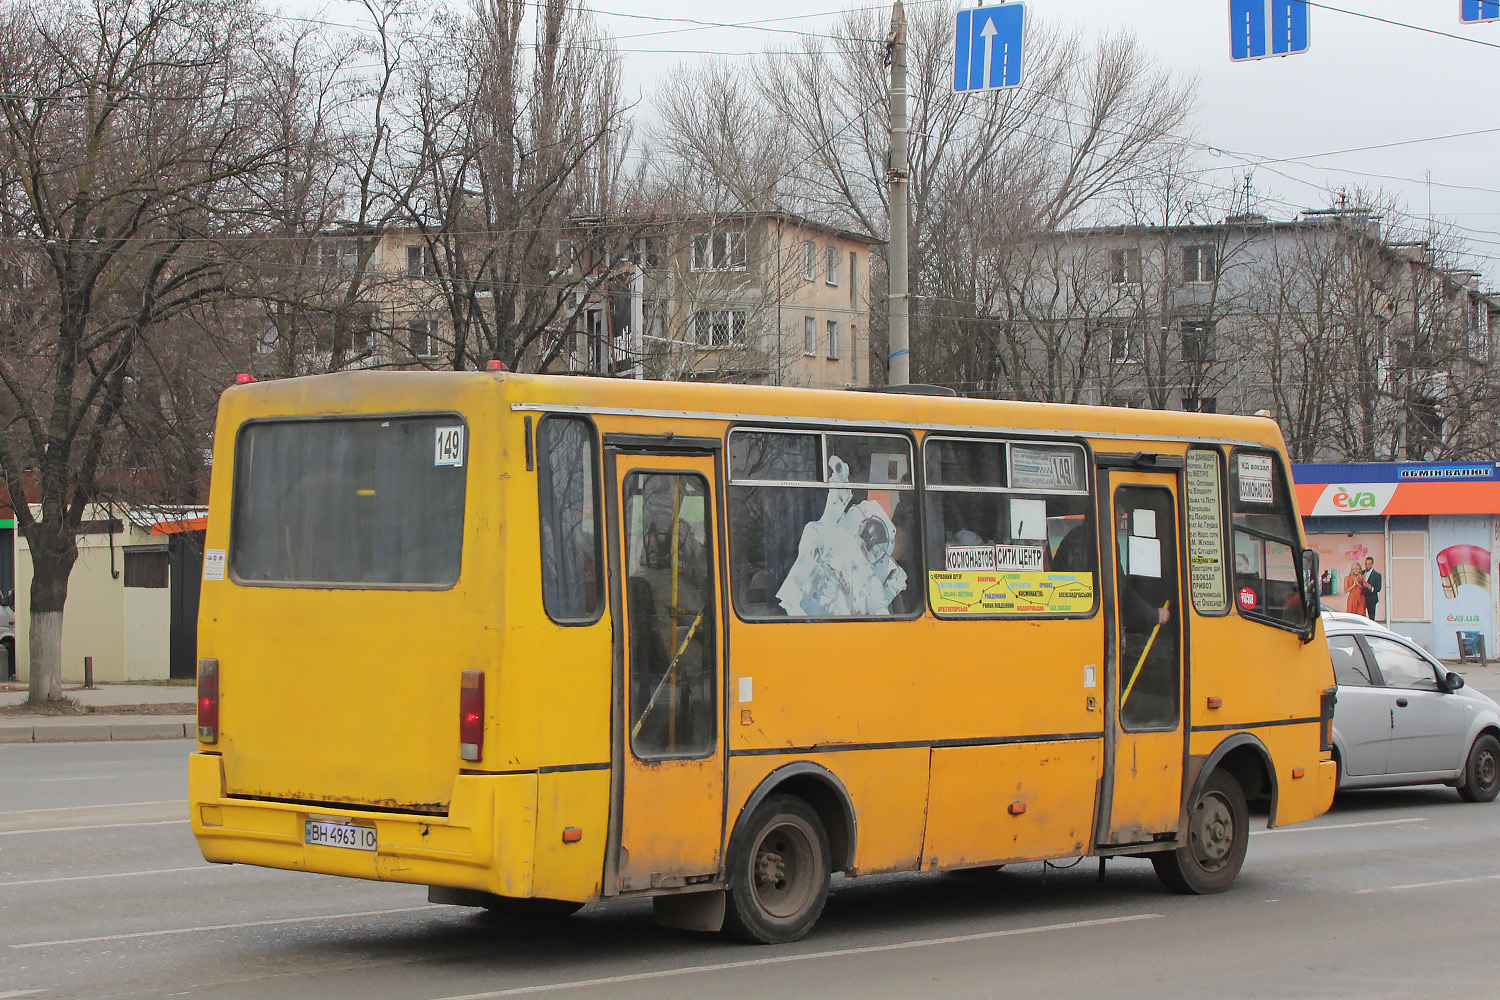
(1218, 833)
(1482, 770)
(779, 871)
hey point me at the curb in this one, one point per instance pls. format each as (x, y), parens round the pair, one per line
(92, 732)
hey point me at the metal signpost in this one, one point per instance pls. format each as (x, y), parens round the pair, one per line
(987, 47)
(1265, 29)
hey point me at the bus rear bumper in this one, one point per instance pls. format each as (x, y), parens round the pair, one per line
(485, 842)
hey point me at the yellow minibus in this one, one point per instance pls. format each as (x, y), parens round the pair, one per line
(540, 641)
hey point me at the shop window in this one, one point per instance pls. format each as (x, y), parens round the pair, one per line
(1408, 592)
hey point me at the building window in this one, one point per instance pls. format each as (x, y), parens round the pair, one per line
(1125, 266)
(809, 336)
(565, 257)
(1479, 332)
(1197, 343)
(339, 255)
(719, 327)
(853, 276)
(832, 276)
(147, 567)
(719, 251)
(833, 340)
(421, 337)
(810, 261)
(1424, 428)
(1200, 404)
(1126, 346)
(419, 262)
(1198, 263)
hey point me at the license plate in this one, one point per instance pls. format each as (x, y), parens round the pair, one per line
(357, 838)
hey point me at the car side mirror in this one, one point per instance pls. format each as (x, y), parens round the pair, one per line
(1453, 681)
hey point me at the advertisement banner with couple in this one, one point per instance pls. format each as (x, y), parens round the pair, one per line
(1352, 579)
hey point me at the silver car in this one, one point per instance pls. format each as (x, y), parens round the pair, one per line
(1403, 718)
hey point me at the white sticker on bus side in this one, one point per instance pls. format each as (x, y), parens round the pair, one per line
(213, 564)
(747, 690)
(448, 447)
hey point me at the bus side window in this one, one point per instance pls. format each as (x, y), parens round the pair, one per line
(572, 567)
(822, 525)
(1013, 508)
(1266, 584)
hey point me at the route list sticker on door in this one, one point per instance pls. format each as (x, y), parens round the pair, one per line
(1205, 527)
(213, 564)
(1255, 479)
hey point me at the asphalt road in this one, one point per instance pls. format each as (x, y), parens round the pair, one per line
(103, 894)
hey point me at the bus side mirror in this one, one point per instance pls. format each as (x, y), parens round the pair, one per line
(1312, 601)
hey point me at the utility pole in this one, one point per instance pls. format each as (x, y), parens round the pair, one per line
(898, 360)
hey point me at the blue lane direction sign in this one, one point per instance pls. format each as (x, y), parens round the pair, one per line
(987, 47)
(1264, 29)
(1474, 11)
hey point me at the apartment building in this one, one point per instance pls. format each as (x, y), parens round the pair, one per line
(746, 297)
(1362, 347)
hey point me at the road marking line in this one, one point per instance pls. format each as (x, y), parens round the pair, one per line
(1304, 828)
(101, 805)
(1429, 885)
(12, 994)
(85, 878)
(809, 956)
(81, 777)
(92, 826)
(224, 927)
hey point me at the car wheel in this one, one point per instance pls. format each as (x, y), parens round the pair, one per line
(1218, 833)
(1482, 771)
(778, 873)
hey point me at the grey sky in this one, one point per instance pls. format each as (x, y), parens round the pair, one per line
(1363, 83)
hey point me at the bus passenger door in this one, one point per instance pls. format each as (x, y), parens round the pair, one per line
(668, 752)
(1147, 738)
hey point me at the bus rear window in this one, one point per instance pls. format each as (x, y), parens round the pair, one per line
(350, 503)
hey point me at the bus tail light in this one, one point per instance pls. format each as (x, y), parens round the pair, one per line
(471, 715)
(208, 701)
(1330, 696)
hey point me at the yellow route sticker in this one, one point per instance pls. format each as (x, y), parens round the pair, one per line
(1016, 592)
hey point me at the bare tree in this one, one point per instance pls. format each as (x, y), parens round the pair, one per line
(513, 148)
(128, 126)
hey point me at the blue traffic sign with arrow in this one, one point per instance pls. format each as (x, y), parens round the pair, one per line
(1474, 11)
(987, 47)
(1263, 29)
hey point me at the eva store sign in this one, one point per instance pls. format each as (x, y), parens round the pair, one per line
(1355, 498)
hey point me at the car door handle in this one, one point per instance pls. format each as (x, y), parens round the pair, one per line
(1400, 702)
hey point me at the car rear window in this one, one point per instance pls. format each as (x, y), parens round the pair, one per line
(370, 502)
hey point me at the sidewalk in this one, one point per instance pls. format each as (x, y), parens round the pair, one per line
(102, 725)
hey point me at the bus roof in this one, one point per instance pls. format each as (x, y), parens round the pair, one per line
(367, 392)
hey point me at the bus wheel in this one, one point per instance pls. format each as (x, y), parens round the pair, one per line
(778, 873)
(1218, 833)
(1482, 771)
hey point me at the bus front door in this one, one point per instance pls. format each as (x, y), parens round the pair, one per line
(668, 754)
(1145, 728)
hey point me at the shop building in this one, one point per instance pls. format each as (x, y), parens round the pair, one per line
(1420, 536)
